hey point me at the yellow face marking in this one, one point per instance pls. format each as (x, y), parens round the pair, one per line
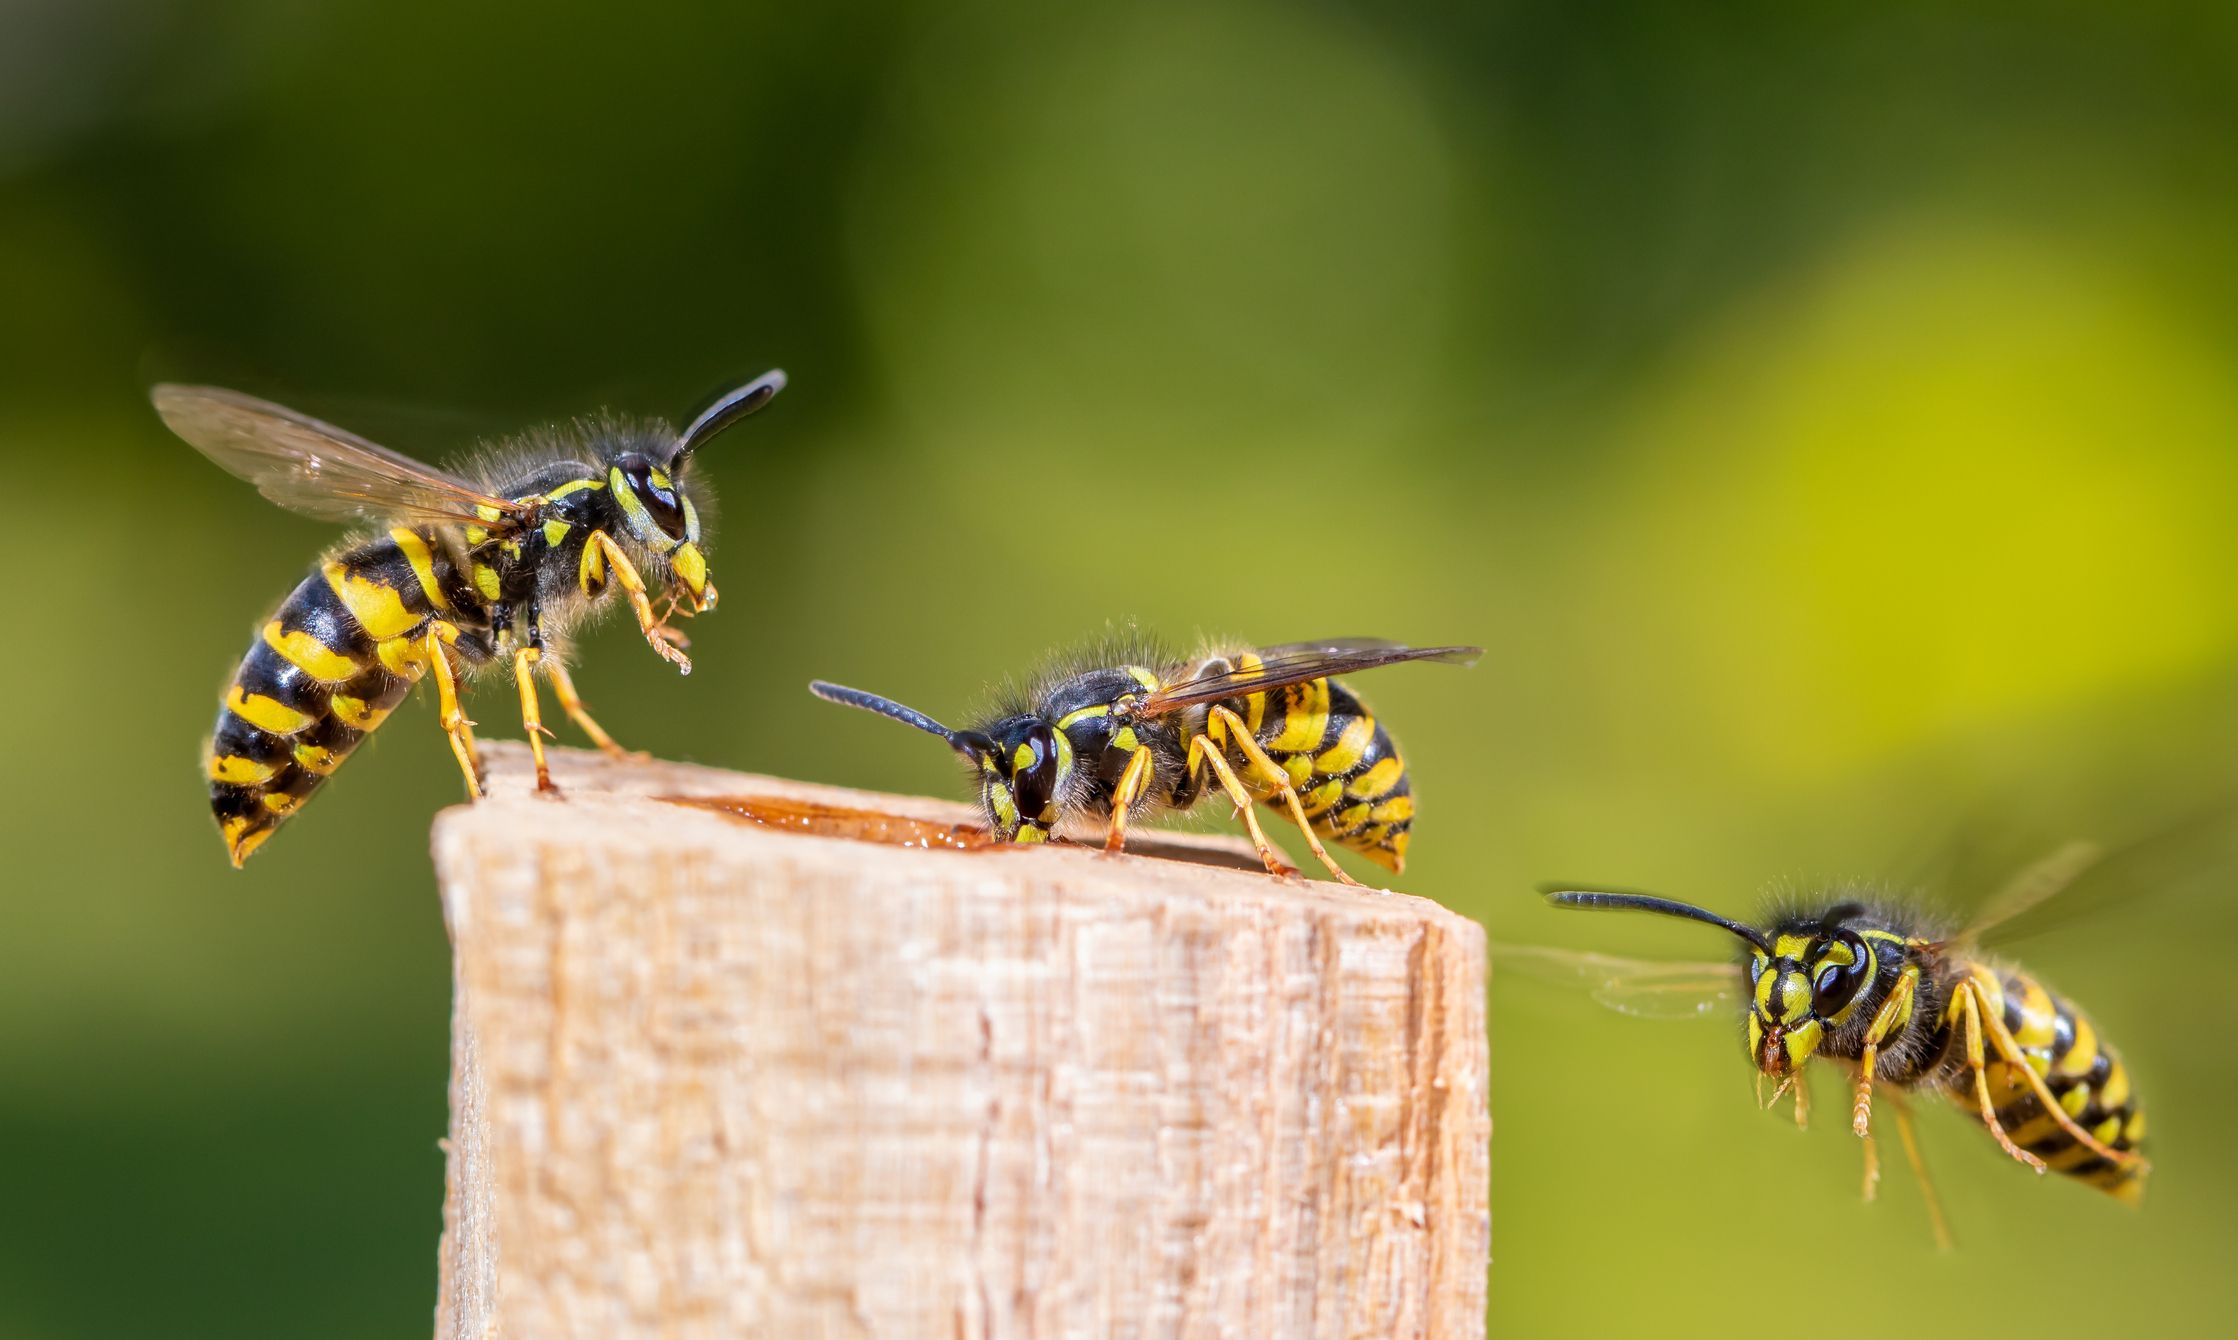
(1006, 809)
(1794, 998)
(1765, 981)
(317, 758)
(423, 564)
(1791, 946)
(308, 654)
(690, 567)
(640, 521)
(1352, 743)
(1801, 1041)
(266, 713)
(378, 609)
(1378, 779)
(1022, 759)
(1029, 833)
(555, 532)
(241, 771)
(1755, 1034)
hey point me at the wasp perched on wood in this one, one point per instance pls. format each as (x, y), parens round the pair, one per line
(1130, 732)
(1879, 988)
(467, 572)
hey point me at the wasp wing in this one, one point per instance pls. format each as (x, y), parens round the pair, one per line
(317, 469)
(1644, 988)
(1295, 663)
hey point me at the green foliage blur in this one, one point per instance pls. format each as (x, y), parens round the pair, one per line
(1827, 419)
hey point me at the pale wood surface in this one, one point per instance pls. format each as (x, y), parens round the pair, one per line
(711, 1079)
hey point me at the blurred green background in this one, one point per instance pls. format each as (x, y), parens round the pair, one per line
(1826, 419)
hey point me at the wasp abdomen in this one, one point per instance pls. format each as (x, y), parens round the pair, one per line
(1343, 763)
(326, 669)
(2084, 1075)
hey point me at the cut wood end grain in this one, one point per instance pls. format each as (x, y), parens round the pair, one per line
(716, 1078)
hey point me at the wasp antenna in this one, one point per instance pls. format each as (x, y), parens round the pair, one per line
(727, 409)
(962, 742)
(1644, 902)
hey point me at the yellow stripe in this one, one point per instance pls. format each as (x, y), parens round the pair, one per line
(1069, 719)
(358, 714)
(2115, 1091)
(266, 713)
(423, 565)
(241, 771)
(1378, 779)
(573, 486)
(280, 802)
(1322, 797)
(1305, 718)
(1398, 809)
(1345, 754)
(377, 608)
(402, 656)
(317, 758)
(2084, 1054)
(2037, 1017)
(308, 654)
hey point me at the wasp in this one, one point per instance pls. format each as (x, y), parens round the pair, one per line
(462, 573)
(1881, 989)
(1131, 732)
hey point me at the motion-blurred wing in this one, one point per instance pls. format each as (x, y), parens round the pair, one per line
(1645, 988)
(1295, 663)
(315, 468)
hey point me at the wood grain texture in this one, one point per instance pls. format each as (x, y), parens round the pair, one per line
(714, 1079)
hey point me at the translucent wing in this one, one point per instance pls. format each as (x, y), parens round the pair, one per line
(2080, 879)
(1646, 988)
(315, 468)
(1295, 663)
(2034, 885)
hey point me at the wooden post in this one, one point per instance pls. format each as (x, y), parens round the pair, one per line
(711, 1077)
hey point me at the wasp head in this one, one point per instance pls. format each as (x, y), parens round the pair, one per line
(1808, 982)
(1022, 763)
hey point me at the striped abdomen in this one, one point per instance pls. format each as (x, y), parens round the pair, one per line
(2082, 1072)
(1342, 762)
(324, 672)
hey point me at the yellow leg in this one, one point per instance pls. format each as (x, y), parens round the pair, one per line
(1132, 782)
(532, 713)
(1802, 1101)
(571, 703)
(601, 551)
(2007, 1048)
(1919, 1171)
(1872, 1167)
(1897, 1006)
(1203, 746)
(435, 647)
(1276, 779)
(1969, 1009)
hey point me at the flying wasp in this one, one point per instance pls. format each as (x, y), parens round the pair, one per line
(1880, 989)
(1135, 732)
(464, 573)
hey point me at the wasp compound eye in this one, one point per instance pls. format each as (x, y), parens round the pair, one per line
(1033, 778)
(654, 494)
(1837, 983)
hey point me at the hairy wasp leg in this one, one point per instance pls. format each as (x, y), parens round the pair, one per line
(1904, 1133)
(1201, 744)
(2001, 1038)
(563, 685)
(1896, 1008)
(1968, 1005)
(1278, 780)
(435, 648)
(532, 712)
(600, 553)
(1132, 783)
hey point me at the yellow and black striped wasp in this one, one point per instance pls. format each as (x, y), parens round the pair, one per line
(465, 572)
(1882, 989)
(1131, 731)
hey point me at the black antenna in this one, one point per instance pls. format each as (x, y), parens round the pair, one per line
(727, 409)
(1645, 902)
(968, 743)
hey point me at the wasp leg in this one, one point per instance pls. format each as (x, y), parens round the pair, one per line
(1898, 1006)
(1969, 1009)
(1202, 744)
(1277, 780)
(571, 703)
(601, 553)
(1872, 1167)
(1904, 1133)
(435, 648)
(532, 713)
(1132, 783)
(2001, 1038)
(1802, 1102)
